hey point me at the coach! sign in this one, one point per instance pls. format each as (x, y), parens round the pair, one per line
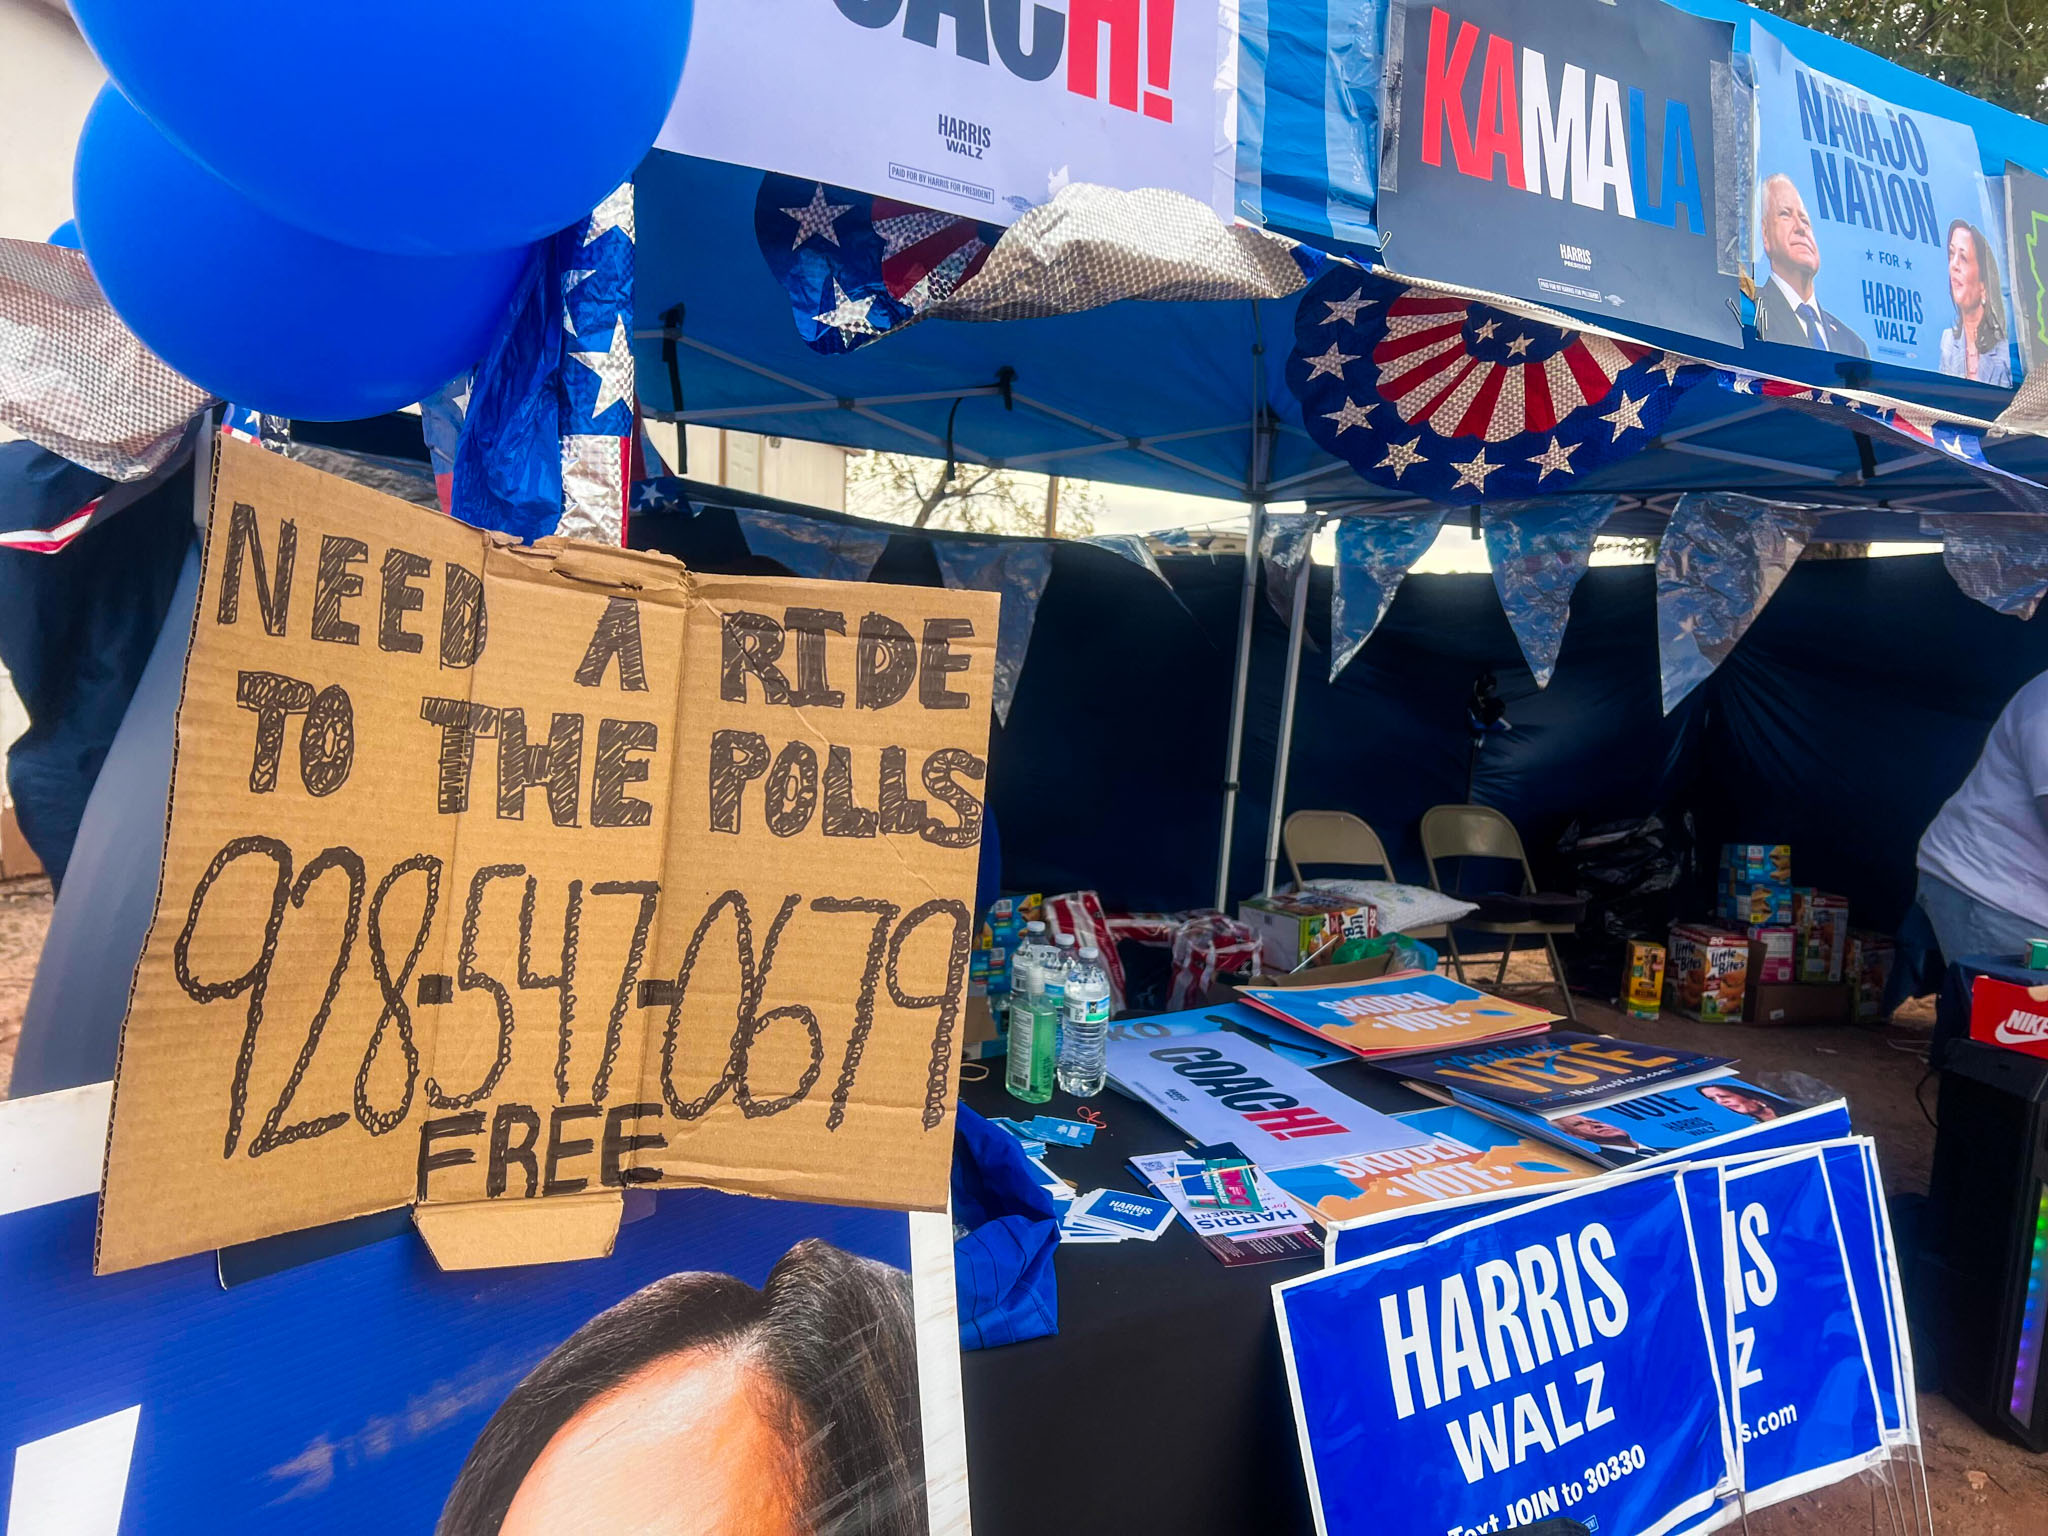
(499, 875)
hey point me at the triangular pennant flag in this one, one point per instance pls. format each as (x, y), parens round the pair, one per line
(1017, 570)
(1539, 550)
(1373, 554)
(1721, 559)
(812, 546)
(2000, 561)
(1285, 539)
(1131, 546)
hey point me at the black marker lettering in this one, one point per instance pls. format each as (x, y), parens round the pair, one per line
(401, 597)
(275, 601)
(333, 582)
(617, 634)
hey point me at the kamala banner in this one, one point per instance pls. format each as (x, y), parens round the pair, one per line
(1805, 1400)
(1876, 236)
(1555, 1360)
(736, 1364)
(978, 107)
(1562, 151)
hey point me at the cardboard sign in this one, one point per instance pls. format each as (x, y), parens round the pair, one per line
(499, 875)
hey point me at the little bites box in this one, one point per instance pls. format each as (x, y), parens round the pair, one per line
(1709, 969)
(1294, 927)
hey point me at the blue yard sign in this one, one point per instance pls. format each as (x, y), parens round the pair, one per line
(1805, 1399)
(1876, 234)
(1500, 1367)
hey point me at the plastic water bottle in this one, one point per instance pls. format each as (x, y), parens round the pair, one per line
(1054, 968)
(1084, 1041)
(1028, 1073)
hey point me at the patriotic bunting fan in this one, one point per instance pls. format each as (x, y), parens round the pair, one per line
(1460, 402)
(856, 266)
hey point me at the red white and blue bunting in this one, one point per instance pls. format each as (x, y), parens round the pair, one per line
(1458, 402)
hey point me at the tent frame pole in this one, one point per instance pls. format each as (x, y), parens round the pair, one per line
(1297, 628)
(1258, 468)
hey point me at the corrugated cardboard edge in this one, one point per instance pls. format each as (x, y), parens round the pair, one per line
(209, 443)
(496, 1234)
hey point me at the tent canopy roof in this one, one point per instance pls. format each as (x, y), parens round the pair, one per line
(1165, 395)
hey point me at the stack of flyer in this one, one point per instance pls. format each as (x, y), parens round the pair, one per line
(1613, 1102)
(1236, 1210)
(1403, 1014)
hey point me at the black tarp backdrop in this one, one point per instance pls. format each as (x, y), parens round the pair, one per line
(1847, 715)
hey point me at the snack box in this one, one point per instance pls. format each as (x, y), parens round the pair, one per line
(1645, 994)
(1759, 906)
(1824, 938)
(1709, 968)
(1756, 864)
(1869, 972)
(1293, 927)
(1774, 955)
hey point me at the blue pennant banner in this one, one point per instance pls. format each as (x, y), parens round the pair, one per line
(857, 266)
(1538, 551)
(1458, 402)
(1721, 559)
(812, 546)
(1374, 552)
(1018, 570)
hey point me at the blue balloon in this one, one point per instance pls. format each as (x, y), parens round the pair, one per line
(259, 311)
(66, 235)
(414, 126)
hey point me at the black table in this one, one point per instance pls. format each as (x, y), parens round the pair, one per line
(1161, 1405)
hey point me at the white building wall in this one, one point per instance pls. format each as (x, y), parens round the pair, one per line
(48, 78)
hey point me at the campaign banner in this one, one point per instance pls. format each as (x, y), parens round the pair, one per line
(733, 1361)
(1554, 1360)
(1561, 151)
(1804, 1393)
(978, 107)
(1876, 235)
(1857, 1193)
(2026, 261)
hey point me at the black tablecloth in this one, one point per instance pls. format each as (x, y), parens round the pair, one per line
(1161, 1405)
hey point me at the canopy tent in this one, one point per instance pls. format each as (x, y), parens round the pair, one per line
(1191, 396)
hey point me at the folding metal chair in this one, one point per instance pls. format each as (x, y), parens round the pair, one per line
(1480, 832)
(1338, 837)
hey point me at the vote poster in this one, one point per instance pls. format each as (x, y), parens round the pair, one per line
(1876, 234)
(984, 110)
(734, 1360)
(1501, 1368)
(1805, 1400)
(501, 879)
(1561, 151)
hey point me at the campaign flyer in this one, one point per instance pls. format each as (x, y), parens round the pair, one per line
(1562, 1069)
(1400, 1015)
(1466, 1154)
(1652, 1125)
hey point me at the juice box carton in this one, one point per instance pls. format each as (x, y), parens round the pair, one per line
(1869, 971)
(1298, 925)
(1775, 955)
(1645, 992)
(1709, 969)
(1824, 939)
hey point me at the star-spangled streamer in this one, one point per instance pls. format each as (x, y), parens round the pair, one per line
(857, 266)
(1457, 402)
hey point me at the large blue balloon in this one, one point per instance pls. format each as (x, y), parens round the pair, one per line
(66, 235)
(416, 126)
(258, 311)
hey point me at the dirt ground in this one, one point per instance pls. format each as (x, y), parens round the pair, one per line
(1979, 1485)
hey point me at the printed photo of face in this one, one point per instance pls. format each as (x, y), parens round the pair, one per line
(1737, 1102)
(1788, 235)
(1588, 1129)
(700, 1406)
(1965, 278)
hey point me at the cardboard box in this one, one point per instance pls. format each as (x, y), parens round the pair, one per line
(1757, 863)
(498, 879)
(17, 859)
(1790, 1003)
(1773, 956)
(1644, 997)
(1869, 972)
(1823, 937)
(1709, 970)
(2007, 1014)
(1316, 976)
(1296, 926)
